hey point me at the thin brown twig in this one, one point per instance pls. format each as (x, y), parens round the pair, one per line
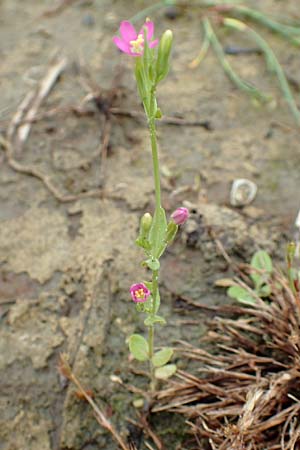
(47, 83)
(34, 172)
(19, 131)
(66, 371)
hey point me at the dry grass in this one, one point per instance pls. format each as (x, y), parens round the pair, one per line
(245, 393)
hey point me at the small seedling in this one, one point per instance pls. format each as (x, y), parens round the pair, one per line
(261, 268)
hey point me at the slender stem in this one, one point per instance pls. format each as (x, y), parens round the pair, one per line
(156, 175)
(155, 164)
(154, 149)
(151, 353)
(155, 293)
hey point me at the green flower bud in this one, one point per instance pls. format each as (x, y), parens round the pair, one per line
(146, 222)
(164, 49)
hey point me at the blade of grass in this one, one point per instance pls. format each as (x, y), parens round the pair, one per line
(203, 51)
(272, 63)
(232, 75)
(287, 31)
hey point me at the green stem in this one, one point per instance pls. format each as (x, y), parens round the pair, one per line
(151, 353)
(151, 328)
(155, 160)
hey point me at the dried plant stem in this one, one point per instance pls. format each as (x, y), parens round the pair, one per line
(66, 370)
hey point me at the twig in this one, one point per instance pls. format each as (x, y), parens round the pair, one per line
(157, 441)
(32, 171)
(18, 116)
(44, 89)
(66, 371)
(26, 113)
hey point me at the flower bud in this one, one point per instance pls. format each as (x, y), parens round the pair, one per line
(180, 215)
(164, 49)
(145, 226)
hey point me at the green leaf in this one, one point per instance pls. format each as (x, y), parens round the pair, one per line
(151, 320)
(153, 263)
(139, 347)
(158, 231)
(265, 290)
(241, 294)
(162, 357)
(262, 262)
(162, 373)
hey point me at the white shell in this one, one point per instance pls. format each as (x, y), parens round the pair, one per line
(242, 192)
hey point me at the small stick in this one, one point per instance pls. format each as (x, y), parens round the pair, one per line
(66, 371)
(32, 171)
(18, 116)
(45, 87)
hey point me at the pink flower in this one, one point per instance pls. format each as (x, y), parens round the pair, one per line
(180, 215)
(139, 293)
(131, 42)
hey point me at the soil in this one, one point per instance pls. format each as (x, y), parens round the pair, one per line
(66, 266)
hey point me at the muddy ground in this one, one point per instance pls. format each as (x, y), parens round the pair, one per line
(66, 265)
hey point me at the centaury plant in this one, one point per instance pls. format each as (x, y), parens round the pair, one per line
(156, 233)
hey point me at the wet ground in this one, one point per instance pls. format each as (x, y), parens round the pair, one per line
(66, 265)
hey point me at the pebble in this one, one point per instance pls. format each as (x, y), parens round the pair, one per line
(243, 192)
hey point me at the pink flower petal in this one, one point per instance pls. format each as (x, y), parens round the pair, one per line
(127, 31)
(139, 293)
(150, 30)
(153, 43)
(122, 45)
